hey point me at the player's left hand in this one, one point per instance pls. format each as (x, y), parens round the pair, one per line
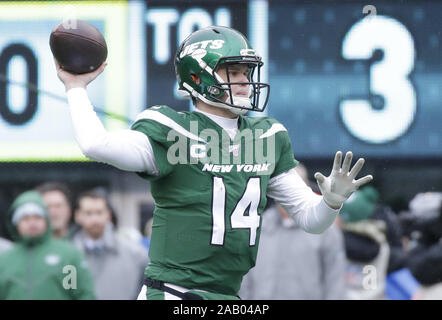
(341, 183)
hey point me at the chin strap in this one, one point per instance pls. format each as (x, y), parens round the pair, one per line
(239, 101)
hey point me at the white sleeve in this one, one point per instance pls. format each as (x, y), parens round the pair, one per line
(128, 150)
(308, 209)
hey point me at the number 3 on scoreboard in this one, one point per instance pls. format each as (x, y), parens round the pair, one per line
(238, 220)
(388, 77)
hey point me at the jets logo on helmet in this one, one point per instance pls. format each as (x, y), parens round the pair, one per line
(212, 44)
(203, 53)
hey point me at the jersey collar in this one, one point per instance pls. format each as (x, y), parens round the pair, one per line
(225, 123)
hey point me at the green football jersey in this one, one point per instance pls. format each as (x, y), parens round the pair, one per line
(209, 194)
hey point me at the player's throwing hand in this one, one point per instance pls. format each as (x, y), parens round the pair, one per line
(71, 80)
(341, 183)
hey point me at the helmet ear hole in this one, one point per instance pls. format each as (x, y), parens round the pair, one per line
(195, 78)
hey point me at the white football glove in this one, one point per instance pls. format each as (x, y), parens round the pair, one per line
(341, 183)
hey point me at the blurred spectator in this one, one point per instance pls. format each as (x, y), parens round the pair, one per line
(39, 266)
(425, 258)
(130, 234)
(398, 255)
(4, 244)
(292, 264)
(133, 235)
(422, 224)
(426, 204)
(366, 246)
(57, 198)
(117, 265)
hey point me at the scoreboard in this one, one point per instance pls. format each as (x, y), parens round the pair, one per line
(34, 118)
(366, 78)
(343, 75)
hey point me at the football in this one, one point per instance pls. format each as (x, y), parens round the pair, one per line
(78, 47)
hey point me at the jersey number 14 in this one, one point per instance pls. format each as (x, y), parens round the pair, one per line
(238, 219)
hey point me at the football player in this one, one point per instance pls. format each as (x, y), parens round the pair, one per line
(209, 188)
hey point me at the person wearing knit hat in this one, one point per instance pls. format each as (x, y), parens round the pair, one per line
(360, 205)
(29, 218)
(366, 245)
(38, 266)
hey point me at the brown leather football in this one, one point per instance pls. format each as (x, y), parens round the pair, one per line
(78, 46)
